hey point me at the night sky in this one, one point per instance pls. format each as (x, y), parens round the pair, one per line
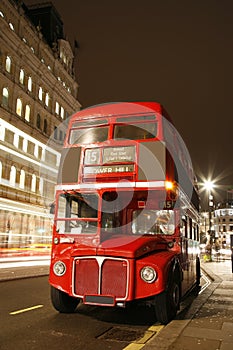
(178, 53)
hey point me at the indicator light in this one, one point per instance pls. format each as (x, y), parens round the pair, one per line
(169, 185)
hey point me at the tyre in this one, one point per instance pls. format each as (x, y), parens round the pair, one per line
(167, 303)
(62, 302)
(198, 272)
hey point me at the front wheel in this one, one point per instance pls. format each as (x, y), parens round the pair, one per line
(62, 302)
(167, 303)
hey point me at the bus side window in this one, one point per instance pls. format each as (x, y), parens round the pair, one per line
(184, 228)
(198, 237)
(194, 231)
(190, 235)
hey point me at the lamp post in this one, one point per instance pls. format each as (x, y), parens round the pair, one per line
(208, 186)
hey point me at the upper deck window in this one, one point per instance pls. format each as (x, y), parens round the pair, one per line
(135, 131)
(88, 135)
(89, 131)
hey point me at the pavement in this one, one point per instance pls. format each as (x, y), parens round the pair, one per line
(207, 325)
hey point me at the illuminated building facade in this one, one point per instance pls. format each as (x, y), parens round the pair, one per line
(38, 92)
(223, 222)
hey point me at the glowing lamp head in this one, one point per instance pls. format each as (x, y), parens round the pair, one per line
(208, 185)
(169, 185)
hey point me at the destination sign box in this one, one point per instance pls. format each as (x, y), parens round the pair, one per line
(119, 154)
(97, 170)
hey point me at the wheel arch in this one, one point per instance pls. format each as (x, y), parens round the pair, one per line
(174, 271)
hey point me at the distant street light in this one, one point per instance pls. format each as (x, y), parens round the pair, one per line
(208, 186)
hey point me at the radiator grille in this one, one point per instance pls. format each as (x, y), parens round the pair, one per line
(114, 278)
(100, 276)
(86, 276)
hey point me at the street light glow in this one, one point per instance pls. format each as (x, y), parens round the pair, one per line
(208, 185)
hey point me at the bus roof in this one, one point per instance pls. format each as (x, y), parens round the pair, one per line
(121, 108)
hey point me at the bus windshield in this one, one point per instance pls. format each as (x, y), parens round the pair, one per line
(77, 213)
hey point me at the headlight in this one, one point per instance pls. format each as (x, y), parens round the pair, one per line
(148, 274)
(59, 268)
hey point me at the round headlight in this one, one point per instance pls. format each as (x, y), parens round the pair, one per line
(59, 268)
(148, 274)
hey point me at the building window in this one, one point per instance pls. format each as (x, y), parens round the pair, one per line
(57, 108)
(38, 121)
(55, 132)
(61, 136)
(19, 106)
(30, 84)
(11, 26)
(12, 175)
(40, 94)
(36, 151)
(2, 133)
(21, 76)
(41, 185)
(33, 183)
(45, 126)
(22, 179)
(16, 140)
(25, 145)
(47, 99)
(62, 113)
(5, 97)
(8, 64)
(27, 113)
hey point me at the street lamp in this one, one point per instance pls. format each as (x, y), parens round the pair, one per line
(208, 186)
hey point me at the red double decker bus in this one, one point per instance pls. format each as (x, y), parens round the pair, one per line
(126, 212)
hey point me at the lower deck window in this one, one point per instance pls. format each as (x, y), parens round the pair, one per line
(153, 222)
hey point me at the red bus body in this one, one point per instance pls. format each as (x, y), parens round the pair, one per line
(126, 212)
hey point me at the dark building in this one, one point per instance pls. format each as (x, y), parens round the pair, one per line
(46, 19)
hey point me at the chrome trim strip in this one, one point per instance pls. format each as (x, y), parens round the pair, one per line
(120, 184)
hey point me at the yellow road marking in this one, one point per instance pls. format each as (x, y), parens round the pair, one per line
(25, 310)
(155, 328)
(149, 333)
(134, 346)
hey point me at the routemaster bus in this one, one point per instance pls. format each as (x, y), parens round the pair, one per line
(126, 212)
